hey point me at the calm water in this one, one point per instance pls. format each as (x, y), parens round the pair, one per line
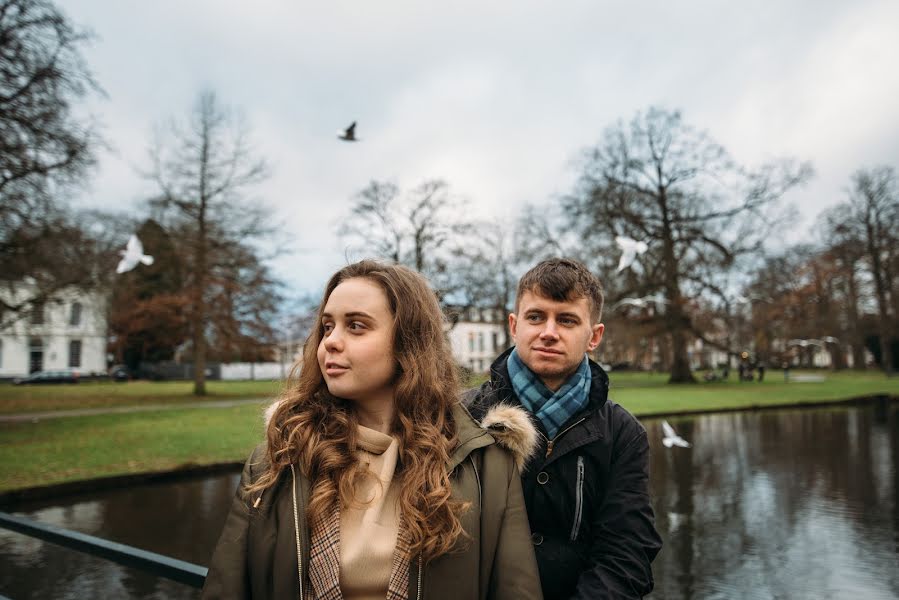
(783, 504)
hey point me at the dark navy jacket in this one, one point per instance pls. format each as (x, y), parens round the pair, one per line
(587, 495)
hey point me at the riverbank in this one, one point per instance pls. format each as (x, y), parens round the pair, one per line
(61, 451)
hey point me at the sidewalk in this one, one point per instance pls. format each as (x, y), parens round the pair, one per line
(34, 417)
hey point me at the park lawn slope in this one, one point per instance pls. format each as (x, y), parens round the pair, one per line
(89, 394)
(54, 451)
(59, 450)
(645, 395)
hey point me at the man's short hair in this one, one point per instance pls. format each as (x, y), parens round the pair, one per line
(563, 280)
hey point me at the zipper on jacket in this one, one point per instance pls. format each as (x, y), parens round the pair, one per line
(578, 498)
(552, 442)
(296, 529)
(418, 595)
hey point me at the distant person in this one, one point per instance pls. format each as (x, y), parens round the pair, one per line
(586, 489)
(374, 481)
(761, 371)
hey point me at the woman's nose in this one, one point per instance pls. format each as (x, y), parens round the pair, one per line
(334, 341)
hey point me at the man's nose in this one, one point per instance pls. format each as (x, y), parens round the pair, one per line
(550, 330)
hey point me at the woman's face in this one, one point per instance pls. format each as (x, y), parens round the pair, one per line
(356, 352)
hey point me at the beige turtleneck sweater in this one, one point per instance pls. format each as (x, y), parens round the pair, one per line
(368, 533)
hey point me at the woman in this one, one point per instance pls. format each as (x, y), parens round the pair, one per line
(374, 482)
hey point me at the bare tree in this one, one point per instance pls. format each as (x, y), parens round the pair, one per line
(203, 168)
(418, 229)
(44, 147)
(663, 182)
(870, 217)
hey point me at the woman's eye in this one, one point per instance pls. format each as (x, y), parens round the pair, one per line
(327, 327)
(356, 326)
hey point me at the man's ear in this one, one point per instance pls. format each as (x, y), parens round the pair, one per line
(513, 324)
(598, 330)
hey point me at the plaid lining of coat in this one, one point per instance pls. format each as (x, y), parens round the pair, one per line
(324, 562)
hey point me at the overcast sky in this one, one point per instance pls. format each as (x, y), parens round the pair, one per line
(498, 98)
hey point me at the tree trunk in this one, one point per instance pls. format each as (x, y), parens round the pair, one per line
(858, 345)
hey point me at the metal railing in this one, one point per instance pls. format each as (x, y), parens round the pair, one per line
(128, 556)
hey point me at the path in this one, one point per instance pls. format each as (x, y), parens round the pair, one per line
(109, 410)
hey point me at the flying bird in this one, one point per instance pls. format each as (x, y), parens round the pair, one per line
(671, 438)
(132, 254)
(641, 302)
(629, 250)
(805, 343)
(348, 134)
(829, 339)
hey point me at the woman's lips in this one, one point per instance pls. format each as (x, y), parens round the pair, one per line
(335, 369)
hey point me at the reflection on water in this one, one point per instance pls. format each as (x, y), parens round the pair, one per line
(181, 519)
(782, 504)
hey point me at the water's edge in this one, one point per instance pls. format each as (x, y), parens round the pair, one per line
(10, 498)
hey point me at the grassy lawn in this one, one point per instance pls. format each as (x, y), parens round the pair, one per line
(644, 393)
(75, 448)
(37, 398)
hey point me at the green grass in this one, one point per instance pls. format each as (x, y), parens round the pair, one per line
(76, 448)
(38, 398)
(645, 393)
(66, 449)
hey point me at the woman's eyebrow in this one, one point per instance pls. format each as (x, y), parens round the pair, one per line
(356, 314)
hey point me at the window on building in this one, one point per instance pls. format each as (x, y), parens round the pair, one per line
(75, 316)
(37, 313)
(74, 353)
(471, 341)
(495, 341)
(481, 341)
(1, 353)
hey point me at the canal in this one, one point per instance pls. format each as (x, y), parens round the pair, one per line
(778, 504)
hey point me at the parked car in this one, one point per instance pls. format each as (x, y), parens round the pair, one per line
(43, 377)
(119, 373)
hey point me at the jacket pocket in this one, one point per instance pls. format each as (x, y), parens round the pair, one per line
(578, 498)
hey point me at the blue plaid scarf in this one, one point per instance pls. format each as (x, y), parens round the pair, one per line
(552, 408)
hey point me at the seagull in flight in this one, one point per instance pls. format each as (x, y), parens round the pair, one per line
(671, 438)
(630, 248)
(348, 134)
(805, 343)
(133, 254)
(643, 302)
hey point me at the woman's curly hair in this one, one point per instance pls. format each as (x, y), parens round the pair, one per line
(317, 431)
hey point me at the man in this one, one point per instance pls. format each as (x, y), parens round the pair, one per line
(586, 485)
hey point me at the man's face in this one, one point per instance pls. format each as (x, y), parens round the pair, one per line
(552, 337)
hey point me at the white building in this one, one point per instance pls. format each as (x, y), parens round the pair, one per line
(478, 338)
(67, 332)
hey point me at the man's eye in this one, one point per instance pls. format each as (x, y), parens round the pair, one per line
(533, 318)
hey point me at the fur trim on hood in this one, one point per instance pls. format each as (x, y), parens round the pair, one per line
(512, 428)
(509, 425)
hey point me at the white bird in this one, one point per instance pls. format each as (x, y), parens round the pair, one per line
(671, 438)
(805, 343)
(348, 134)
(829, 339)
(656, 298)
(638, 302)
(629, 250)
(133, 254)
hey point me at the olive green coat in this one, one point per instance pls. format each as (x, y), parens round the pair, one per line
(256, 556)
